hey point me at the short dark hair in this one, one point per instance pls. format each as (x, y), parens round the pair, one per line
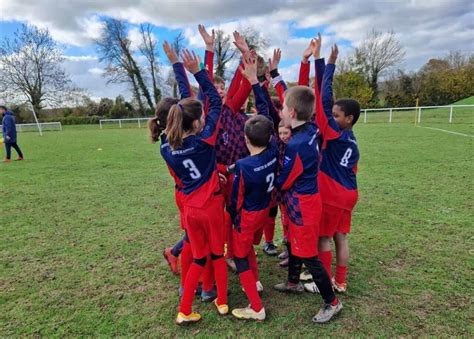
(258, 130)
(218, 80)
(301, 99)
(349, 107)
(4, 107)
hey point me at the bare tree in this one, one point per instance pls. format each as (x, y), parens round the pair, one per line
(30, 68)
(377, 54)
(149, 50)
(114, 48)
(224, 52)
(255, 40)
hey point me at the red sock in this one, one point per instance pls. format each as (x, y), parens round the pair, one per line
(326, 259)
(341, 272)
(249, 284)
(253, 263)
(220, 274)
(208, 276)
(190, 286)
(228, 227)
(186, 260)
(269, 229)
(335, 301)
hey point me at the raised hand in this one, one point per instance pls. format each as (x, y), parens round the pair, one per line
(275, 60)
(250, 70)
(334, 53)
(316, 47)
(190, 61)
(308, 51)
(208, 39)
(240, 43)
(170, 53)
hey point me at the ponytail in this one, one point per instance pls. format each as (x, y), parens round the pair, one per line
(157, 124)
(155, 129)
(174, 127)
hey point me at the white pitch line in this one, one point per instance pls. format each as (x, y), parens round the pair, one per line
(450, 132)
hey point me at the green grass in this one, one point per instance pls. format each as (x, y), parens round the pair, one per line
(83, 230)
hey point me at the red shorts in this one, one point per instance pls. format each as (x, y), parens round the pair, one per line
(251, 231)
(179, 202)
(304, 238)
(335, 220)
(205, 227)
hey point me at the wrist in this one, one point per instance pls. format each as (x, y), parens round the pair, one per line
(305, 60)
(253, 80)
(210, 47)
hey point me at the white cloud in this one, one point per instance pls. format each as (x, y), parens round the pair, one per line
(426, 29)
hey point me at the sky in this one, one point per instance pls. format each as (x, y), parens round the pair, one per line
(426, 29)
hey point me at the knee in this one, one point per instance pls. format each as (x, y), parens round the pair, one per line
(200, 261)
(340, 238)
(242, 264)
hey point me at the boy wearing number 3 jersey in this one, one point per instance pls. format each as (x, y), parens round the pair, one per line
(337, 176)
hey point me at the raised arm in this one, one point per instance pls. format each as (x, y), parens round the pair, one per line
(303, 78)
(209, 132)
(184, 86)
(209, 40)
(250, 73)
(325, 120)
(277, 80)
(318, 64)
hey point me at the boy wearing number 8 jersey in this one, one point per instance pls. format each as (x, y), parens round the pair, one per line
(337, 176)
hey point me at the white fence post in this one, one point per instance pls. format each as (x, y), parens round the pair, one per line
(419, 115)
(100, 124)
(451, 114)
(365, 116)
(139, 126)
(120, 123)
(390, 116)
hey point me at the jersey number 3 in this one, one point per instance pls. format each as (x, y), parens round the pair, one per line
(193, 170)
(345, 159)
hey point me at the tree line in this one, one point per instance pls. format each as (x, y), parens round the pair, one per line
(31, 72)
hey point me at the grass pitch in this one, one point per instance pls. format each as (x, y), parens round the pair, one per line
(83, 230)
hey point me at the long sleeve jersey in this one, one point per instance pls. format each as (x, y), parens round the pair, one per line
(340, 154)
(193, 165)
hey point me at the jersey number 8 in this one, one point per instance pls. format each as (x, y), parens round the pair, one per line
(345, 159)
(193, 170)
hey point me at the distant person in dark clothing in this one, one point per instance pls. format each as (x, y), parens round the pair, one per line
(9, 134)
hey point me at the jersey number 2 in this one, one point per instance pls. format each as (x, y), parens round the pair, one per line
(270, 179)
(193, 170)
(345, 159)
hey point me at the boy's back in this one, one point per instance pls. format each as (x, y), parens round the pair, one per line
(254, 182)
(337, 178)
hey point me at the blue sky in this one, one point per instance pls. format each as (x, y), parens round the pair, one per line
(426, 29)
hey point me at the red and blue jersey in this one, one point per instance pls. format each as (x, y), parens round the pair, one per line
(298, 176)
(230, 145)
(340, 154)
(254, 176)
(193, 165)
(253, 183)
